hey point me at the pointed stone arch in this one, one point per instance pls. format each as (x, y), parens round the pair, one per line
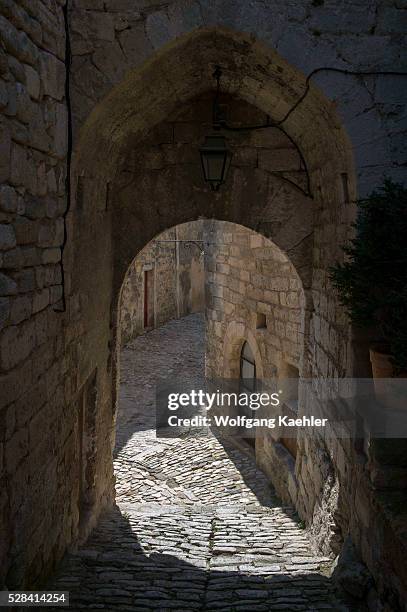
(180, 71)
(107, 224)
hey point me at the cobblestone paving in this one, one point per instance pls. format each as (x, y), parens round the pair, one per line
(197, 526)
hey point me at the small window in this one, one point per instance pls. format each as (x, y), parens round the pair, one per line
(261, 322)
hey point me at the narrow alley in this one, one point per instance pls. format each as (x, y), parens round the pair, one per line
(196, 526)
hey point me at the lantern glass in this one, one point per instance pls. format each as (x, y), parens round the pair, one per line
(215, 158)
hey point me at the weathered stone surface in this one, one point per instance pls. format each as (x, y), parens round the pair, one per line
(15, 449)
(51, 233)
(21, 309)
(5, 147)
(119, 5)
(3, 62)
(17, 43)
(350, 573)
(96, 25)
(209, 528)
(52, 255)
(158, 29)
(4, 311)
(16, 69)
(21, 173)
(22, 20)
(16, 343)
(32, 81)
(24, 106)
(3, 95)
(280, 160)
(12, 259)
(39, 137)
(40, 300)
(90, 4)
(7, 285)
(111, 60)
(52, 72)
(7, 237)
(135, 44)
(26, 231)
(8, 199)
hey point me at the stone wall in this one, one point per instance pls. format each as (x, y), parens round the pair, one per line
(178, 273)
(36, 475)
(247, 277)
(327, 478)
(136, 69)
(110, 38)
(254, 295)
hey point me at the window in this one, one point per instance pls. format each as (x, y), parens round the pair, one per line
(247, 368)
(261, 322)
(247, 385)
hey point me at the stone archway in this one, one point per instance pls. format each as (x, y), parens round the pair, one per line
(58, 356)
(107, 224)
(255, 74)
(115, 210)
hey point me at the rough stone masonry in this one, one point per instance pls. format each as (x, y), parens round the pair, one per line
(197, 526)
(86, 89)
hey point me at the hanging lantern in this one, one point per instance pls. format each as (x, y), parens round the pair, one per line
(215, 158)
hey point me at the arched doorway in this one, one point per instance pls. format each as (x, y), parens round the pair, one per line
(138, 173)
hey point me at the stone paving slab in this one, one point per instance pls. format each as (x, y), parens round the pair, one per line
(197, 526)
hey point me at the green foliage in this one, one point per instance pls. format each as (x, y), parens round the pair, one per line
(372, 283)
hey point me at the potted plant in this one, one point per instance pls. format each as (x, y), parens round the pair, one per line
(372, 282)
(372, 286)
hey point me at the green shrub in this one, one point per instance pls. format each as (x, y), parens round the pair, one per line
(372, 283)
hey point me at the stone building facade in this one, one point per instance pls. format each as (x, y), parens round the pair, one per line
(114, 96)
(254, 295)
(164, 282)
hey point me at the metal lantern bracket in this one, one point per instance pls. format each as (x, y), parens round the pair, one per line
(199, 244)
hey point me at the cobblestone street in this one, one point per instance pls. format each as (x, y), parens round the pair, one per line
(197, 526)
